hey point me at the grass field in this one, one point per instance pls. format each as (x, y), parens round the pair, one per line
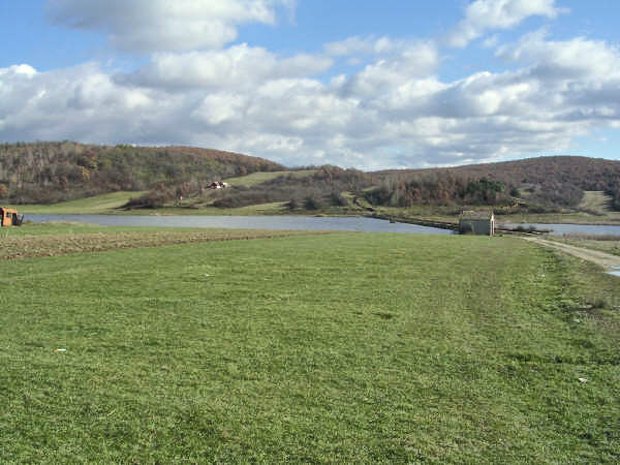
(98, 204)
(45, 240)
(262, 176)
(342, 348)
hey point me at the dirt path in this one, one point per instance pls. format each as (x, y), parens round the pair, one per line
(603, 259)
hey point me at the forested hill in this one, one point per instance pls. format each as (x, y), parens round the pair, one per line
(591, 173)
(545, 181)
(47, 172)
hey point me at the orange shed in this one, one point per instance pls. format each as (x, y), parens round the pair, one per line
(10, 217)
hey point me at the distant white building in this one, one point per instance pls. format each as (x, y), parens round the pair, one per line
(218, 185)
(477, 222)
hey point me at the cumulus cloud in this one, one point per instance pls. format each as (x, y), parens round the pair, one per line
(485, 15)
(238, 67)
(418, 60)
(393, 110)
(81, 102)
(163, 25)
(578, 58)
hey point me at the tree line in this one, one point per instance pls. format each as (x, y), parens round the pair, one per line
(48, 172)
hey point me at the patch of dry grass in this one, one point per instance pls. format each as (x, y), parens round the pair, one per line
(27, 246)
(603, 243)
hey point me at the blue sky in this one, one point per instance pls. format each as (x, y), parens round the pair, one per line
(369, 84)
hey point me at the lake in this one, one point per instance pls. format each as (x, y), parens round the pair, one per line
(559, 229)
(330, 223)
(247, 222)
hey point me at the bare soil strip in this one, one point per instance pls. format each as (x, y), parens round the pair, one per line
(603, 259)
(12, 248)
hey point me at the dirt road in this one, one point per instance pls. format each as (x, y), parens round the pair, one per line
(603, 259)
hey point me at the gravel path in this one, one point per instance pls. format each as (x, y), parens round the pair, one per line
(603, 259)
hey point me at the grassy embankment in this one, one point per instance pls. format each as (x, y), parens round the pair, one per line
(602, 243)
(346, 348)
(104, 203)
(111, 203)
(53, 239)
(594, 208)
(597, 203)
(261, 176)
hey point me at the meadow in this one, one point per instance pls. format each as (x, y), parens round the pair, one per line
(104, 203)
(337, 348)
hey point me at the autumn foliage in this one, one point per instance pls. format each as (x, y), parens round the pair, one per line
(47, 172)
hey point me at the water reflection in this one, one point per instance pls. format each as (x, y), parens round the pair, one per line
(615, 271)
(559, 229)
(247, 222)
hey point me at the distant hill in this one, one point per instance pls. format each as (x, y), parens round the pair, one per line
(543, 182)
(48, 172)
(589, 173)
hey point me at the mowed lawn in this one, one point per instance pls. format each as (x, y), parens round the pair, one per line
(343, 348)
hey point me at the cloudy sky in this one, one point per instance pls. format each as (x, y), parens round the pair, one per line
(356, 83)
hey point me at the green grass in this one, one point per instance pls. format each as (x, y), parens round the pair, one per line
(262, 176)
(98, 204)
(346, 348)
(272, 208)
(69, 229)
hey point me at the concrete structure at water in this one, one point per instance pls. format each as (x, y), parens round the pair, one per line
(477, 222)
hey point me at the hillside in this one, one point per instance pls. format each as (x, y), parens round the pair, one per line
(49, 172)
(52, 172)
(537, 185)
(545, 183)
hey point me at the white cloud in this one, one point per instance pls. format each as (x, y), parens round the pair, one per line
(81, 102)
(18, 70)
(486, 15)
(164, 25)
(395, 110)
(221, 108)
(238, 67)
(577, 58)
(418, 60)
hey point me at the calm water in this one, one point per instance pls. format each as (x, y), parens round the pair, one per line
(247, 222)
(301, 223)
(561, 229)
